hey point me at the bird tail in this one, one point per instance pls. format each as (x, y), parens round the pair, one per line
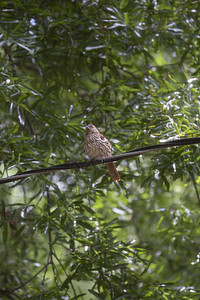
(113, 171)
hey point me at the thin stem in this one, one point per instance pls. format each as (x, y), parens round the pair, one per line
(29, 280)
(66, 274)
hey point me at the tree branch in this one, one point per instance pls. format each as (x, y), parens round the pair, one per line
(85, 164)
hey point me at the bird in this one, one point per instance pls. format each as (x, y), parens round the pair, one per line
(97, 146)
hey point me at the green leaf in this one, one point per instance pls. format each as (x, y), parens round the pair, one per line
(19, 231)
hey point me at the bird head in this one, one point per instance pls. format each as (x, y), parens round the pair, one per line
(90, 128)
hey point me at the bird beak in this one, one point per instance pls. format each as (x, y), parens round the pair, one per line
(87, 129)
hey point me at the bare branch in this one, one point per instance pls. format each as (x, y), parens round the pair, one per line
(85, 164)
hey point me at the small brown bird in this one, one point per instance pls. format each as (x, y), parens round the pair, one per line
(97, 146)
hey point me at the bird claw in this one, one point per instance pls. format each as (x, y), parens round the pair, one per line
(102, 160)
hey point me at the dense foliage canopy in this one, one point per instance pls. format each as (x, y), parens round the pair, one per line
(132, 69)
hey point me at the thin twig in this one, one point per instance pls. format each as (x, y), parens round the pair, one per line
(66, 274)
(30, 279)
(195, 186)
(43, 279)
(50, 238)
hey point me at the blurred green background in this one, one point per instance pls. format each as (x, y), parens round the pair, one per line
(132, 69)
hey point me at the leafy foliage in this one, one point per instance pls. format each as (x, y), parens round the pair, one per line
(132, 69)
